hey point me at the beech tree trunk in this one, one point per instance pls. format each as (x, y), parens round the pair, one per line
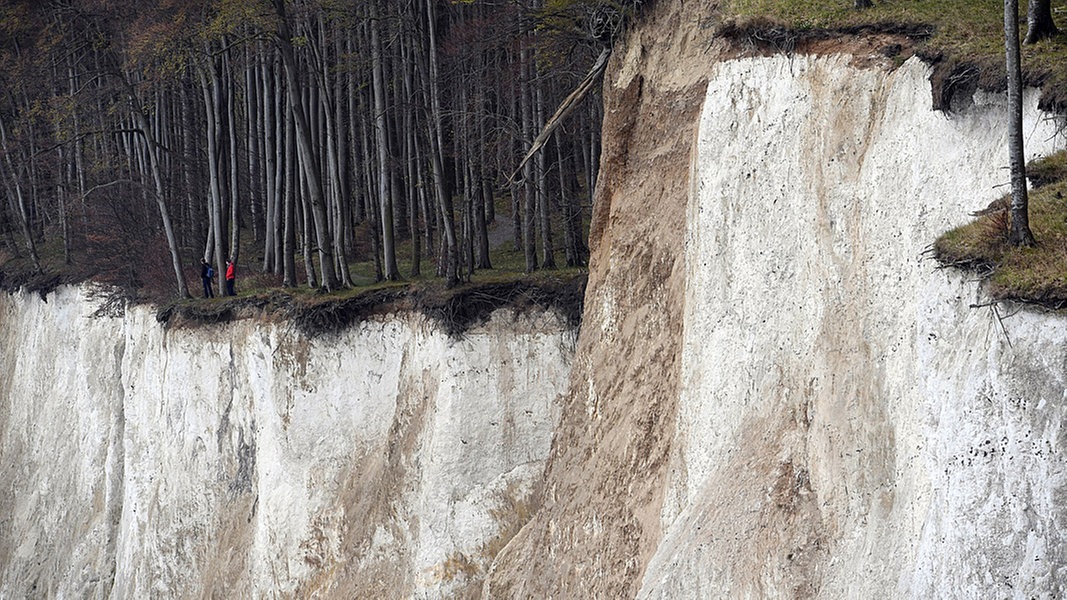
(443, 199)
(529, 209)
(1039, 23)
(306, 149)
(381, 138)
(157, 179)
(1020, 219)
(23, 218)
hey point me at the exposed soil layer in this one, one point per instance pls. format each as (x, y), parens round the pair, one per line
(954, 79)
(455, 311)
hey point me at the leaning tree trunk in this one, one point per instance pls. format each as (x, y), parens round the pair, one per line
(157, 180)
(1039, 23)
(306, 150)
(1020, 221)
(436, 149)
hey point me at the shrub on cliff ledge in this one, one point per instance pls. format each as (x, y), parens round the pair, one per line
(1038, 274)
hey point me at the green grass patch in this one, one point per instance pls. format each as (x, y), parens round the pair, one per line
(959, 32)
(1038, 274)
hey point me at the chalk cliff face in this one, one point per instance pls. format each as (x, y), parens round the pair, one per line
(246, 459)
(775, 392)
(809, 406)
(865, 431)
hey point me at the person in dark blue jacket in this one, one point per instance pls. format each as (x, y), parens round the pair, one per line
(206, 273)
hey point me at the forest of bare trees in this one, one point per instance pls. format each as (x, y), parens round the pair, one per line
(296, 137)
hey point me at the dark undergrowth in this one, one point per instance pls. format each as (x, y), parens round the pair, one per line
(455, 310)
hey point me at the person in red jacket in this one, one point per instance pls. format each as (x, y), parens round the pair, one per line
(230, 276)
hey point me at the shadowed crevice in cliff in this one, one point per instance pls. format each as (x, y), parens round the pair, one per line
(455, 310)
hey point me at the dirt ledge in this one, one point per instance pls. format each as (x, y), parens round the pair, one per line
(954, 79)
(456, 311)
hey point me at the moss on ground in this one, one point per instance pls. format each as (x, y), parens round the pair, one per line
(1037, 275)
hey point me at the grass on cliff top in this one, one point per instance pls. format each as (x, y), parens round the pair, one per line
(1038, 274)
(967, 32)
(965, 40)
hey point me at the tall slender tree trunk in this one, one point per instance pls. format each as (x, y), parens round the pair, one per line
(1020, 219)
(215, 214)
(253, 138)
(356, 208)
(436, 160)
(157, 180)
(291, 181)
(381, 138)
(411, 164)
(233, 143)
(269, 148)
(343, 226)
(282, 164)
(565, 194)
(548, 259)
(23, 218)
(305, 149)
(514, 186)
(529, 214)
(188, 164)
(370, 182)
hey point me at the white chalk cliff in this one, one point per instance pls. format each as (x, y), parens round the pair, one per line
(775, 393)
(246, 459)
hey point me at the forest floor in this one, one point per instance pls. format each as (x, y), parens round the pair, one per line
(455, 310)
(316, 311)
